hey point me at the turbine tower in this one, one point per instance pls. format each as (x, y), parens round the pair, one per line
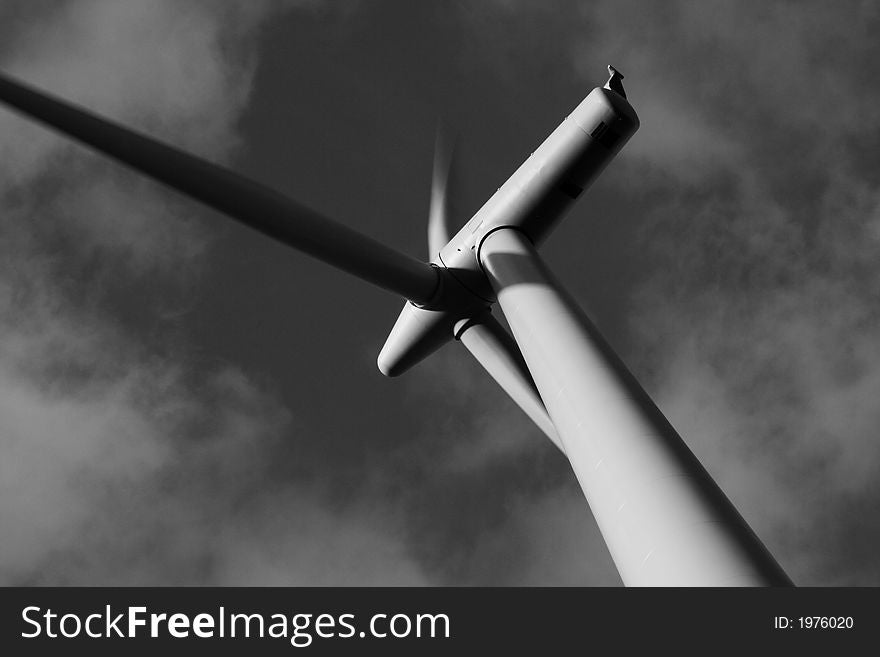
(664, 519)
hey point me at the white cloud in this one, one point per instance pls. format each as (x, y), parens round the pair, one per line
(754, 323)
(180, 71)
(122, 465)
(769, 362)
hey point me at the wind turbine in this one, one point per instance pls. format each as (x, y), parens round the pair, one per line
(664, 519)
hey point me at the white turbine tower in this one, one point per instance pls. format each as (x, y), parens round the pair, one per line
(664, 519)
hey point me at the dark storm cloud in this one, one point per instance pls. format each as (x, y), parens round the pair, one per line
(128, 458)
(753, 316)
(124, 458)
(758, 308)
(136, 450)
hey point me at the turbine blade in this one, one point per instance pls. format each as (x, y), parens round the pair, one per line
(440, 229)
(247, 201)
(496, 351)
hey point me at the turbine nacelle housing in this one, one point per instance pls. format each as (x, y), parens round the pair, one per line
(532, 200)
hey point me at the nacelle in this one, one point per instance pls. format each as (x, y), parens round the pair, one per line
(547, 184)
(533, 200)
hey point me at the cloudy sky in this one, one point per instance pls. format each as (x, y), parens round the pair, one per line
(183, 401)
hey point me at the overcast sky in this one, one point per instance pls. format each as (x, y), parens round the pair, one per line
(183, 401)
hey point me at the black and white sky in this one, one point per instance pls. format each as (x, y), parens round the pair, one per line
(183, 401)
